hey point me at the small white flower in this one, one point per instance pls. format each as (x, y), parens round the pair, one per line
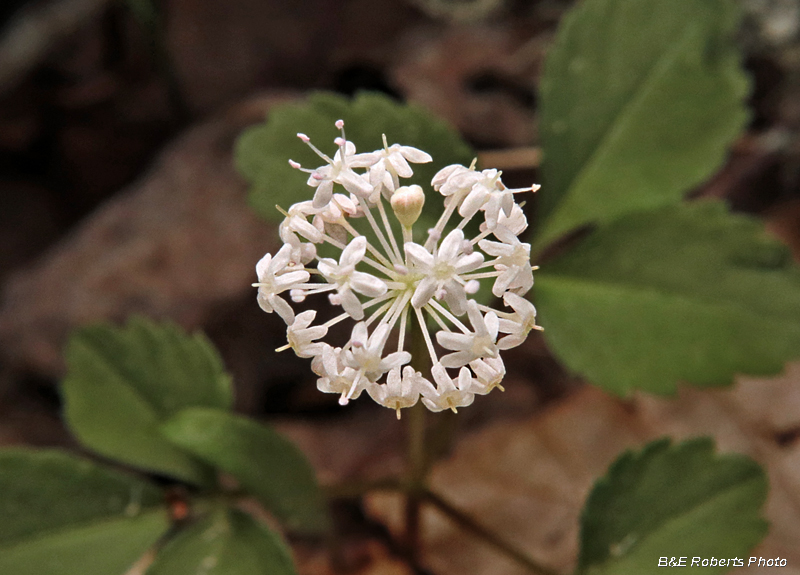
(301, 337)
(455, 182)
(347, 280)
(387, 284)
(335, 377)
(450, 394)
(366, 352)
(446, 174)
(440, 272)
(514, 263)
(508, 227)
(274, 278)
(392, 163)
(519, 327)
(339, 170)
(481, 192)
(489, 373)
(401, 392)
(296, 223)
(471, 346)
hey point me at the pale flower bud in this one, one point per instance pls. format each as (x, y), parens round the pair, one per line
(407, 203)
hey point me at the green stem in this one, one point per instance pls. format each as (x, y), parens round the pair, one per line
(469, 524)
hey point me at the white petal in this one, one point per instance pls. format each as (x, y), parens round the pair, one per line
(354, 183)
(359, 333)
(367, 284)
(289, 279)
(306, 230)
(262, 266)
(351, 304)
(496, 248)
(503, 281)
(519, 304)
(354, 252)
(444, 382)
(419, 256)
(464, 379)
(283, 309)
(457, 359)
(433, 405)
(395, 359)
(507, 325)
(400, 165)
(414, 155)
(304, 319)
(378, 338)
(512, 340)
(424, 292)
(263, 299)
(327, 267)
(323, 194)
(456, 297)
(468, 263)
(473, 202)
(442, 175)
(491, 321)
(475, 318)
(450, 245)
(454, 341)
(364, 160)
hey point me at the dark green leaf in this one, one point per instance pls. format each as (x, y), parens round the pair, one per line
(226, 543)
(122, 383)
(263, 462)
(62, 515)
(639, 102)
(675, 501)
(263, 151)
(688, 293)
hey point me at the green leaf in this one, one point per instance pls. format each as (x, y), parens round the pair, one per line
(689, 293)
(62, 515)
(678, 501)
(639, 103)
(263, 151)
(227, 543)
(122, 383)
(263, 462)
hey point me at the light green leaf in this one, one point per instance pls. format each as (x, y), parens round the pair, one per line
(263, 151)
(262, 461)
(639, 102)
(228, 542)
(678, 501)
(62, 515)
(686, 293)
(122, 383)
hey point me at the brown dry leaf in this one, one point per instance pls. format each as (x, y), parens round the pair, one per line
(479, 78)
(365, 558)
(528, 481)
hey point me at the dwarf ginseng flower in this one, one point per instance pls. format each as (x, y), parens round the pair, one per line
(430, 274)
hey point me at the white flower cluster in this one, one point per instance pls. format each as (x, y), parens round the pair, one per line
(380, 286)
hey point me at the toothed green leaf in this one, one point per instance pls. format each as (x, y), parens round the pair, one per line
(688, 293)
(63, 515)
(640, 102)
(676, 501)
(122, 383)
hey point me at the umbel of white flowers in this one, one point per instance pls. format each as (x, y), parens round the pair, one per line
(379, 286)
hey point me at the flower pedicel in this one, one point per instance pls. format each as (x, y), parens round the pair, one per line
(380, 286)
